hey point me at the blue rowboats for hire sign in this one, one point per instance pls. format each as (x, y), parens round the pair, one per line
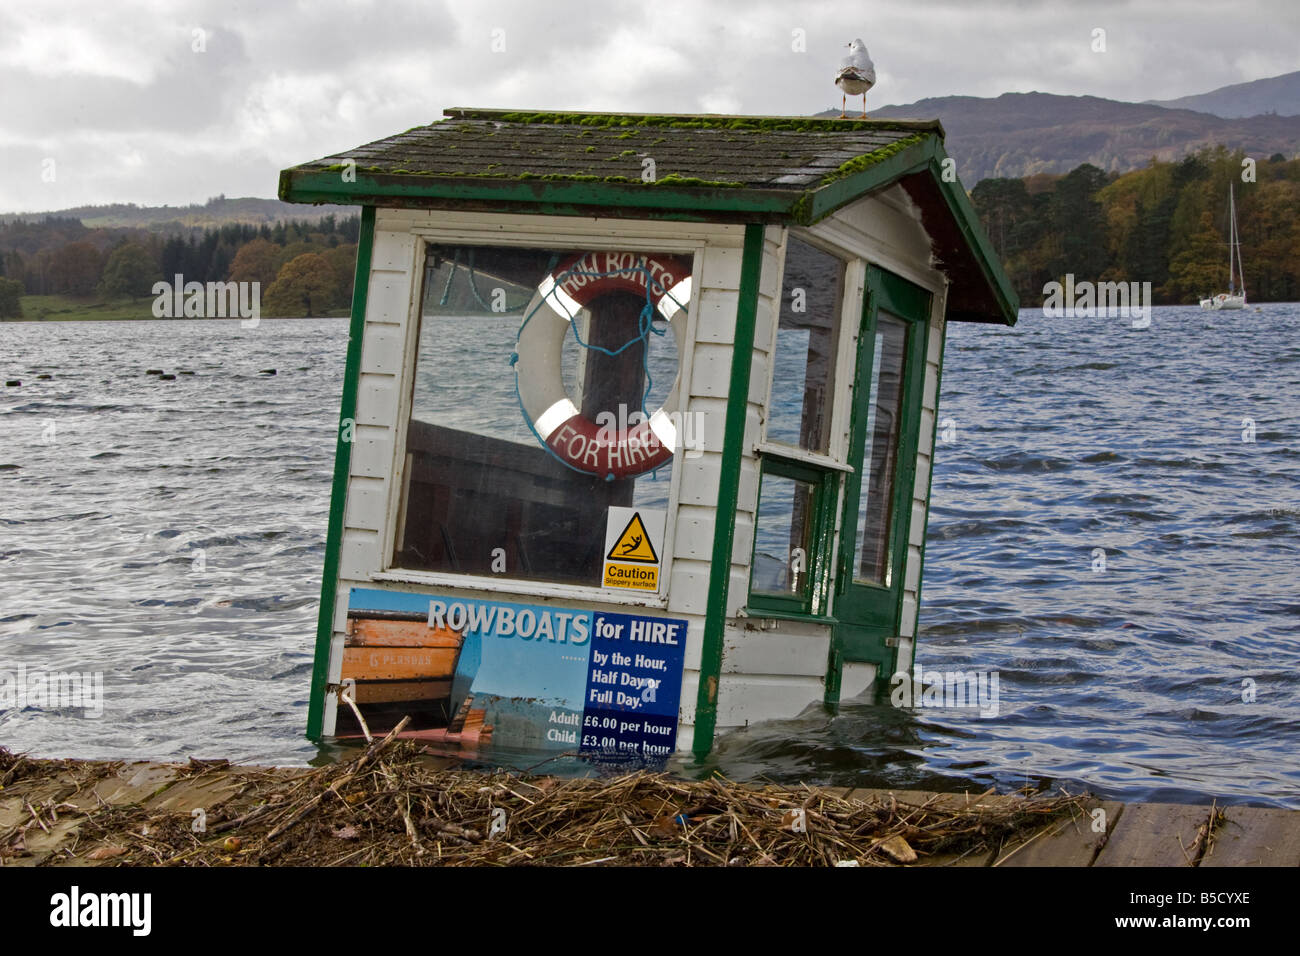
(634, 684)
(493, 674)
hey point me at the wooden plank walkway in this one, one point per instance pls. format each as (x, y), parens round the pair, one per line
(1105, 833)
(1124, 834)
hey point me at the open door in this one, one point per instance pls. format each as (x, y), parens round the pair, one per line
(887, 395)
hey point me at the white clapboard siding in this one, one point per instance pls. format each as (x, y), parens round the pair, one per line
(886, 231)
(776, 647)
(921, 489)
(770, 669)
(773, 669)
(856, 678)
(749, 698)
(394, 270)
(709, 388)
(388, 338)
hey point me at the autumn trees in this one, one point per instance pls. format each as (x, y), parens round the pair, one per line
(303, 269)
(1165, 224)
(307, 285)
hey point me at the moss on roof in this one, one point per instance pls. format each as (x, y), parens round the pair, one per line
(759, 124)
(860, 163)
(736, 169)
(778, 154)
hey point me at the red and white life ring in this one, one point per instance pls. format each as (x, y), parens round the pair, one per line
(560, 298)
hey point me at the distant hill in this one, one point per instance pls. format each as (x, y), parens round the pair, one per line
(1020, 134)
(218, 211)
(1277, 94)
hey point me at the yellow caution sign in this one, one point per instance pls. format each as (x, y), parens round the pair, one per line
(632, 554)
(634, 544)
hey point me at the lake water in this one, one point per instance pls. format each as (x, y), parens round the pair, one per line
(171, 533)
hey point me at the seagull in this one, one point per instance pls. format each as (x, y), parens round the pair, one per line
(857, 75)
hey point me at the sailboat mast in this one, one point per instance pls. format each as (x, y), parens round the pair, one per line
(1232, 237)
(1241, 270)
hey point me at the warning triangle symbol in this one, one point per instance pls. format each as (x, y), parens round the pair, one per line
(634, 544)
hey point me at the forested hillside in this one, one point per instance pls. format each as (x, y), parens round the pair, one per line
(304, 268)
(1166, 224)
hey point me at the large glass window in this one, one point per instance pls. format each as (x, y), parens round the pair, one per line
(783, 535)
(544, 393)
(880, 454)
(803, 387)
(793, 536)
(797, 492)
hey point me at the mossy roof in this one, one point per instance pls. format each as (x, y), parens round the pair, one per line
(711, 168)
(771, 153)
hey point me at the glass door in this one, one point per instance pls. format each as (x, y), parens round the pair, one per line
(877, 503)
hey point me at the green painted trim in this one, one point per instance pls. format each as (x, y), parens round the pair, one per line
(926, 155)
(867, 160)
(342, 466)
(724, 533)
(811, 605)
(311, 186)
(905, 484)
(865, 627)
(913, 158)
(968, 221)
(929, 488)
(834, 679)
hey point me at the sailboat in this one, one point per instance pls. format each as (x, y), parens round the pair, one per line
(1230, 299)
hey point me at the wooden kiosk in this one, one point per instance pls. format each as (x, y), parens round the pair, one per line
(638, 422)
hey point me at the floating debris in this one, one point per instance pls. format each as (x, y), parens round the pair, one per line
(393, 805)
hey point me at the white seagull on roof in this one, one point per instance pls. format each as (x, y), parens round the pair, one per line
(857, 75)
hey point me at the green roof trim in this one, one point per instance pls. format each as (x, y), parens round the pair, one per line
(708, 168)
(671, 196)
(861, 163)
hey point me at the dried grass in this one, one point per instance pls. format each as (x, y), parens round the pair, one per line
(390, 806)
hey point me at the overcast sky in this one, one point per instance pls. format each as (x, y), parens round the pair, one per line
(133, 105)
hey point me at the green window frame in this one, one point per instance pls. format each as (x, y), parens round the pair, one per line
(809, 601)
(796, 442)
(869, 613)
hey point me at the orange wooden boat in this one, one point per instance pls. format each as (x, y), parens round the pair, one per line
(402, 667)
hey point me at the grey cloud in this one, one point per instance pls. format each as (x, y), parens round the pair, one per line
(283, 82)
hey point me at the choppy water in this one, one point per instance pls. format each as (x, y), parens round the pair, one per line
(1067, 435)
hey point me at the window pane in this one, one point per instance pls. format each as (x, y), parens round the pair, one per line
(880, 454)
(782, 536)
(500, 477)
(804, 363)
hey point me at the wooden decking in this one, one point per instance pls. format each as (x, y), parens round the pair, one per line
(1131, 834)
